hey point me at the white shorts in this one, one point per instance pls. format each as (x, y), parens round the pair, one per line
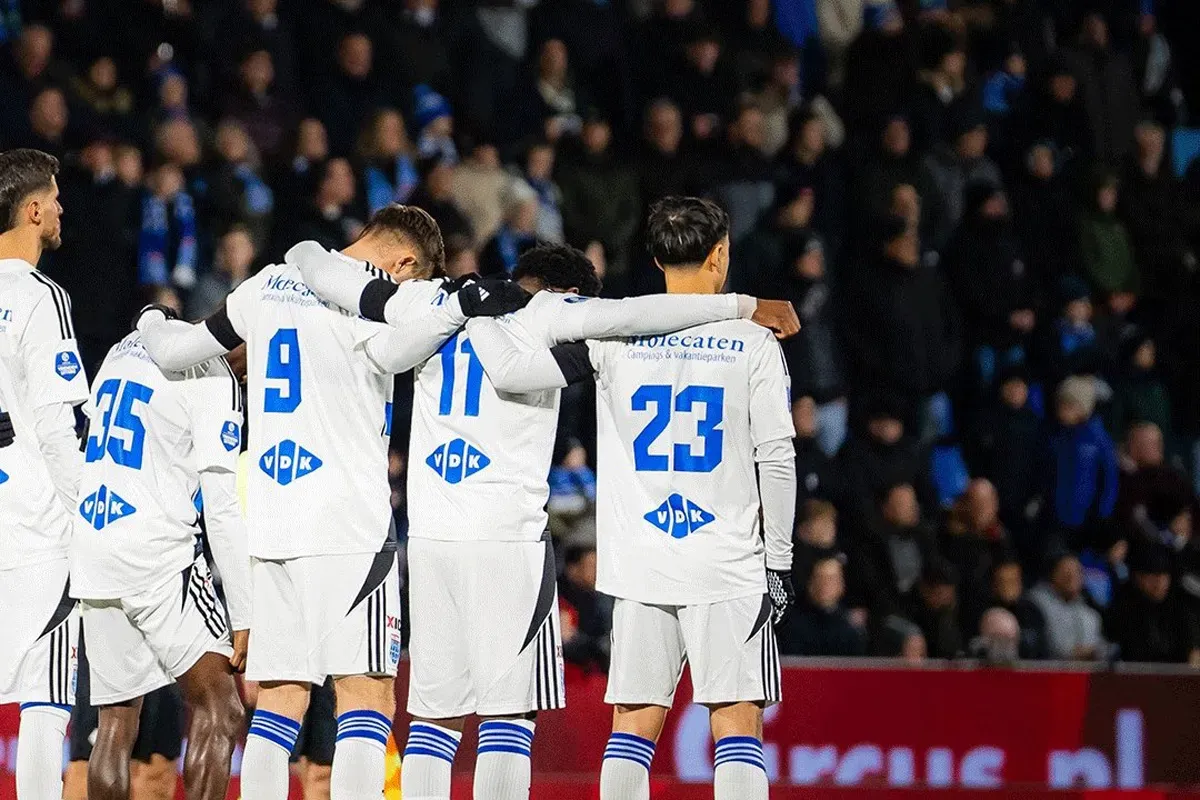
(485, 629)
(39, 635)
(146, 641)
(730, 647)
(318, 616)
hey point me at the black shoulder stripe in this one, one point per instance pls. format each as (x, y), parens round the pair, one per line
(573, 360)
(237, 390)
(62, 304)
(222, 329)
(374, 299)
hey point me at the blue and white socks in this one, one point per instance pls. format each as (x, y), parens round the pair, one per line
(359, 758)
(739, 770)
(269, 744)
(625, 773)
(502, 770)
(40, 749)
(428, 757)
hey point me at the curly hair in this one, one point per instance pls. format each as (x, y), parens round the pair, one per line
(559, 267)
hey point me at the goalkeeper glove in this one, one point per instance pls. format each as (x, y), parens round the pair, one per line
(782, 594)
(7, 433)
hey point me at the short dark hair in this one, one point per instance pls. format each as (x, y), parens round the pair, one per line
(22, 172)
(684, 230)
(559, 267)
(417, 227)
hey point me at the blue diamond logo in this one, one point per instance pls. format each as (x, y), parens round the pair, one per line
(456, 460)
(287, 462)
(678, 516)
(3, 476)
(103, 507)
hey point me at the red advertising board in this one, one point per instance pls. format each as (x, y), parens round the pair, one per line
(851, 732)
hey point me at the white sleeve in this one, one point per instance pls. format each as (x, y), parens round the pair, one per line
(55, 429)
(425, 319)
(48, 352)
(511, 365)
(577, 317)
(227, 537)
(176, 345)
(772, 429)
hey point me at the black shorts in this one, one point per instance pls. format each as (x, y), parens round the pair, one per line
(160, 729)
(318, 731)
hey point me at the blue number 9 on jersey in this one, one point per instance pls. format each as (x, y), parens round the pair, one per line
(283, 364)
(712, 398)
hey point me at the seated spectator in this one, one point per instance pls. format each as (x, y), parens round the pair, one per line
(1140, 395)
(479, 187)
(107, 102)
(665, 167)
(172, 93)
(807, 161)
(899, 638)
(998, 642)
(878, 456)
(817, 475)
(1073, 630)
(1147, 621)
(259, 104)
(970, 539)
(1003, 443)
(1072, 346)
(539, 174)
(1153, 494)
(950, 167)
(893, 164)
(435, 125)
(779, 98)
(167, 250)
(586, 614)
(235, 255)
(1008, 593)
(816, 535)
(1057, 116)
(702, 84)
(890, 557)
(435, 194)
(759, 262)
(1044, 213)
(941, 81)
(329, 217)
(1077, 467)
(935, 608)
(820, 626)
(1107, 252)
(239, 193)
(517, 234)
(388, 160)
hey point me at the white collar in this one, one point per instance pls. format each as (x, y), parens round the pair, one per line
(15, 265)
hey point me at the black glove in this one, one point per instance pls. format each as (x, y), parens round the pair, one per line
(782, 594)
(167, 312)
(491, 297)
(7, 433)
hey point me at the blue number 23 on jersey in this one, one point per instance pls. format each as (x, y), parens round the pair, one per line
(694, 399)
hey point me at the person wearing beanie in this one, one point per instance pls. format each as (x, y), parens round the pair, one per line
(435, 124)
(954, 164)
(516, 235)
(1078, 465)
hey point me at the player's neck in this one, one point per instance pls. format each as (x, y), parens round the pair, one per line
(690, 280)
(21, 243)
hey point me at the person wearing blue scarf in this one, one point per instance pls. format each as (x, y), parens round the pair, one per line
(517, 233)
(167, 251)
(389, 173)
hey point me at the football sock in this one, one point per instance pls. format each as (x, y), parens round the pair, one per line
(625, 772)
(428, 757)
(502, 769)
(359, 756)
(40, 750)
(739, 772)
(265, 762)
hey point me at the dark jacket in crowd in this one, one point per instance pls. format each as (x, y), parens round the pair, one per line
(947, 174)
(1156, 217)
(912, 344)
(1044, 213)
(1032, 644)
(1150, 631)
(818, 477)
(868, 467)
(1108, 254)
(590, 645)
(812, 631)
(600, 204)
(888, 563)
(1001, 446)
(879, 75)
(1110, 99)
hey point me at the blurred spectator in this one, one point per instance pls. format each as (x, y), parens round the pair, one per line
(879, 455)
(1078, 464)
(1107, 252)
(1007, 587)
(293, 180)
(460, 256)
(586, 612)
(940, 84)
(240, 194)
(1153, 494)
(817, 475)
(345, 99)
(663, 167)
(1071, 345)
(235, 255)
(893, 164)
(891, 554)
(1003, 99)
(1147, 621)
(816, 536)
(435, 125)
(172, 95)
(702, 84)
(899, 638)
(600, 201)
(808, 162)
(178, 141)
(839, 23)
(1044, 213)
(1156, 70)
(779, 98)
(415, 46)
(1107, 86)
(517, 233)
(167, 247)
(950, 167)
(258, 23)
(480, 186)
(539, 174)
(548, 105)
(1140, 394)
(970, 539)
(260, 105)
(435, 194)
(388, 159)
(1073, 631)
(32, 69)
(880, 66)
(1057, 116)
(328, 217)
(820, 626)
(572, 482)
(936, 610)
(913, 345)
(48, 120)
(992, 282)
(998, 643)
(107, 102)
(745, 180)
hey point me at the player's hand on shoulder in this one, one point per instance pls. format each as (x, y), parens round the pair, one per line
(782, 594)
(779, 316)
(149, 311)
(7, 432)
(241, 642)
(489, 297)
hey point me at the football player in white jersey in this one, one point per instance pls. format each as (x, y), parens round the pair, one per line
(149, 610)
(482, 608)
(41, 383)
(325, 583)
(694, 448)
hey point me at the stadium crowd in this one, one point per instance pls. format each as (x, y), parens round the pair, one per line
(979, 210)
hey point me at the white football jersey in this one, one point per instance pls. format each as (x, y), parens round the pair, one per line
(678, 420)
(39, 366)
(319, 418)
(151, 435)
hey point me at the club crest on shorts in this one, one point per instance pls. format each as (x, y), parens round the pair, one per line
(66, 364)
(231, 436)
(678, 516)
